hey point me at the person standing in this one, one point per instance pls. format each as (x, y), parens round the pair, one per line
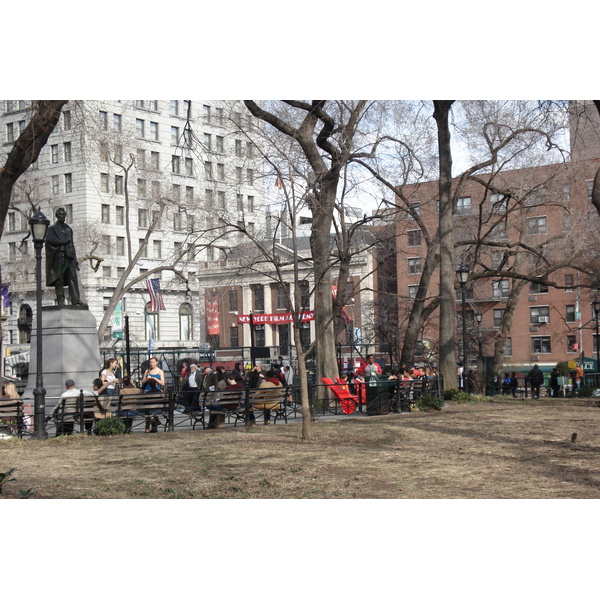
(191, 388)
(153, 372)
(370, 368)
(536, 378)
(107, 375)
(578, 377)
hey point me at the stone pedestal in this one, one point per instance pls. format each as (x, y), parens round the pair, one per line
(70, 350)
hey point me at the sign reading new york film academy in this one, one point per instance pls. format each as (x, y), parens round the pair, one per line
(271, 319)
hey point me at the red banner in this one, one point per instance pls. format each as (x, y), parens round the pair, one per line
(212, 315)
(276, 318)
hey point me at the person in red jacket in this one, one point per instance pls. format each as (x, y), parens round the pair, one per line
(370, 368)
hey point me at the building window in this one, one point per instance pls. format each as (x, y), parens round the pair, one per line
(258, 293)
(220, 171)
(175, 192)
(508, 347)
(120, 246)
(152, 324)
(259, 335)
(174, 136)
(572, 345)
(54, 154)
(155, 160)
(119, 184)
(120, 215)
(12, 251)
(569, 282)
(240, 202)
(153, 105)
(412, 291)
(189, 167)
(185, 323)
(498, 231)
(539, 314)
(221, 200)
(139, 127)
(117, 121)
(414, 237)
(463, 206)
(414, 266)
(501, 289)
(174, 111)
(499, 203)
(234, 337)
(566, 193)
(142, 218)
(250, 176)
(187, 109)
(536, 225)
(105, 241)
(55, 184)
(157, 248)
(177, 222)
(208, 171)
(595, 343)
(189, 193)
(239, 175)
(141, 188)
(537, 288)
(206, 113)
(67, 151)
(498, 314)
(68, 182)
(220, 144)
(12, 221)
(415, 208)
(282, 296)
(570, 313)
(176, 164)
(103, 120)
(105, 213)
(10, 132)
(541, 344)
(233, 301)
(138, 103)
(66, 120)
(154, 131)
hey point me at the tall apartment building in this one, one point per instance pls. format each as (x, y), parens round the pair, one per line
(166, 176)
(537, 221)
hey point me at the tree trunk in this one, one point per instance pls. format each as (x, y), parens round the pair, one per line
(27, 149)
(446, 233)
(415, 319)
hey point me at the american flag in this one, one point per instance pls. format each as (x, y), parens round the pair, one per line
(156, 299)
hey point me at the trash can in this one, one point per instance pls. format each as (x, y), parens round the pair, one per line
(378, 398)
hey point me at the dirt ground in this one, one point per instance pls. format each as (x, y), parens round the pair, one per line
(500, 449)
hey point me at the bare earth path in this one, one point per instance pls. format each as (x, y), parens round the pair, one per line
(499, 449)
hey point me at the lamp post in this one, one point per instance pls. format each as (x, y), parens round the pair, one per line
(39, 227)
(478, 318)
(462, 274)
(596, 308)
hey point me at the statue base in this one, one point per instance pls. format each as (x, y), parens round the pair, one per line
(70, 350)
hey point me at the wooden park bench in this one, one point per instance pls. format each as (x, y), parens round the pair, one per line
(162, 404)
(83, 409)
(11, 412)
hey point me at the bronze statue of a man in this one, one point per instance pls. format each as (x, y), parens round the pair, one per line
(61, 260)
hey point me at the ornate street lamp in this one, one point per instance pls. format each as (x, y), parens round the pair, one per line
(596, 309)
(39, 227)
(462, 274)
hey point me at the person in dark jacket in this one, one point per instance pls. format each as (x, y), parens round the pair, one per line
(535, 378)
(554, 385)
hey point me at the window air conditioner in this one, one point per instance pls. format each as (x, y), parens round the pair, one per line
(543, 319)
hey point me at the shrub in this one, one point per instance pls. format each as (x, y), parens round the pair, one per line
(449, 394)
(585, 392)
(462, 397)
(112, 426)
(427, 403)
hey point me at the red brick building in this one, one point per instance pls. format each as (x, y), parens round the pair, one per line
(527, 222)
